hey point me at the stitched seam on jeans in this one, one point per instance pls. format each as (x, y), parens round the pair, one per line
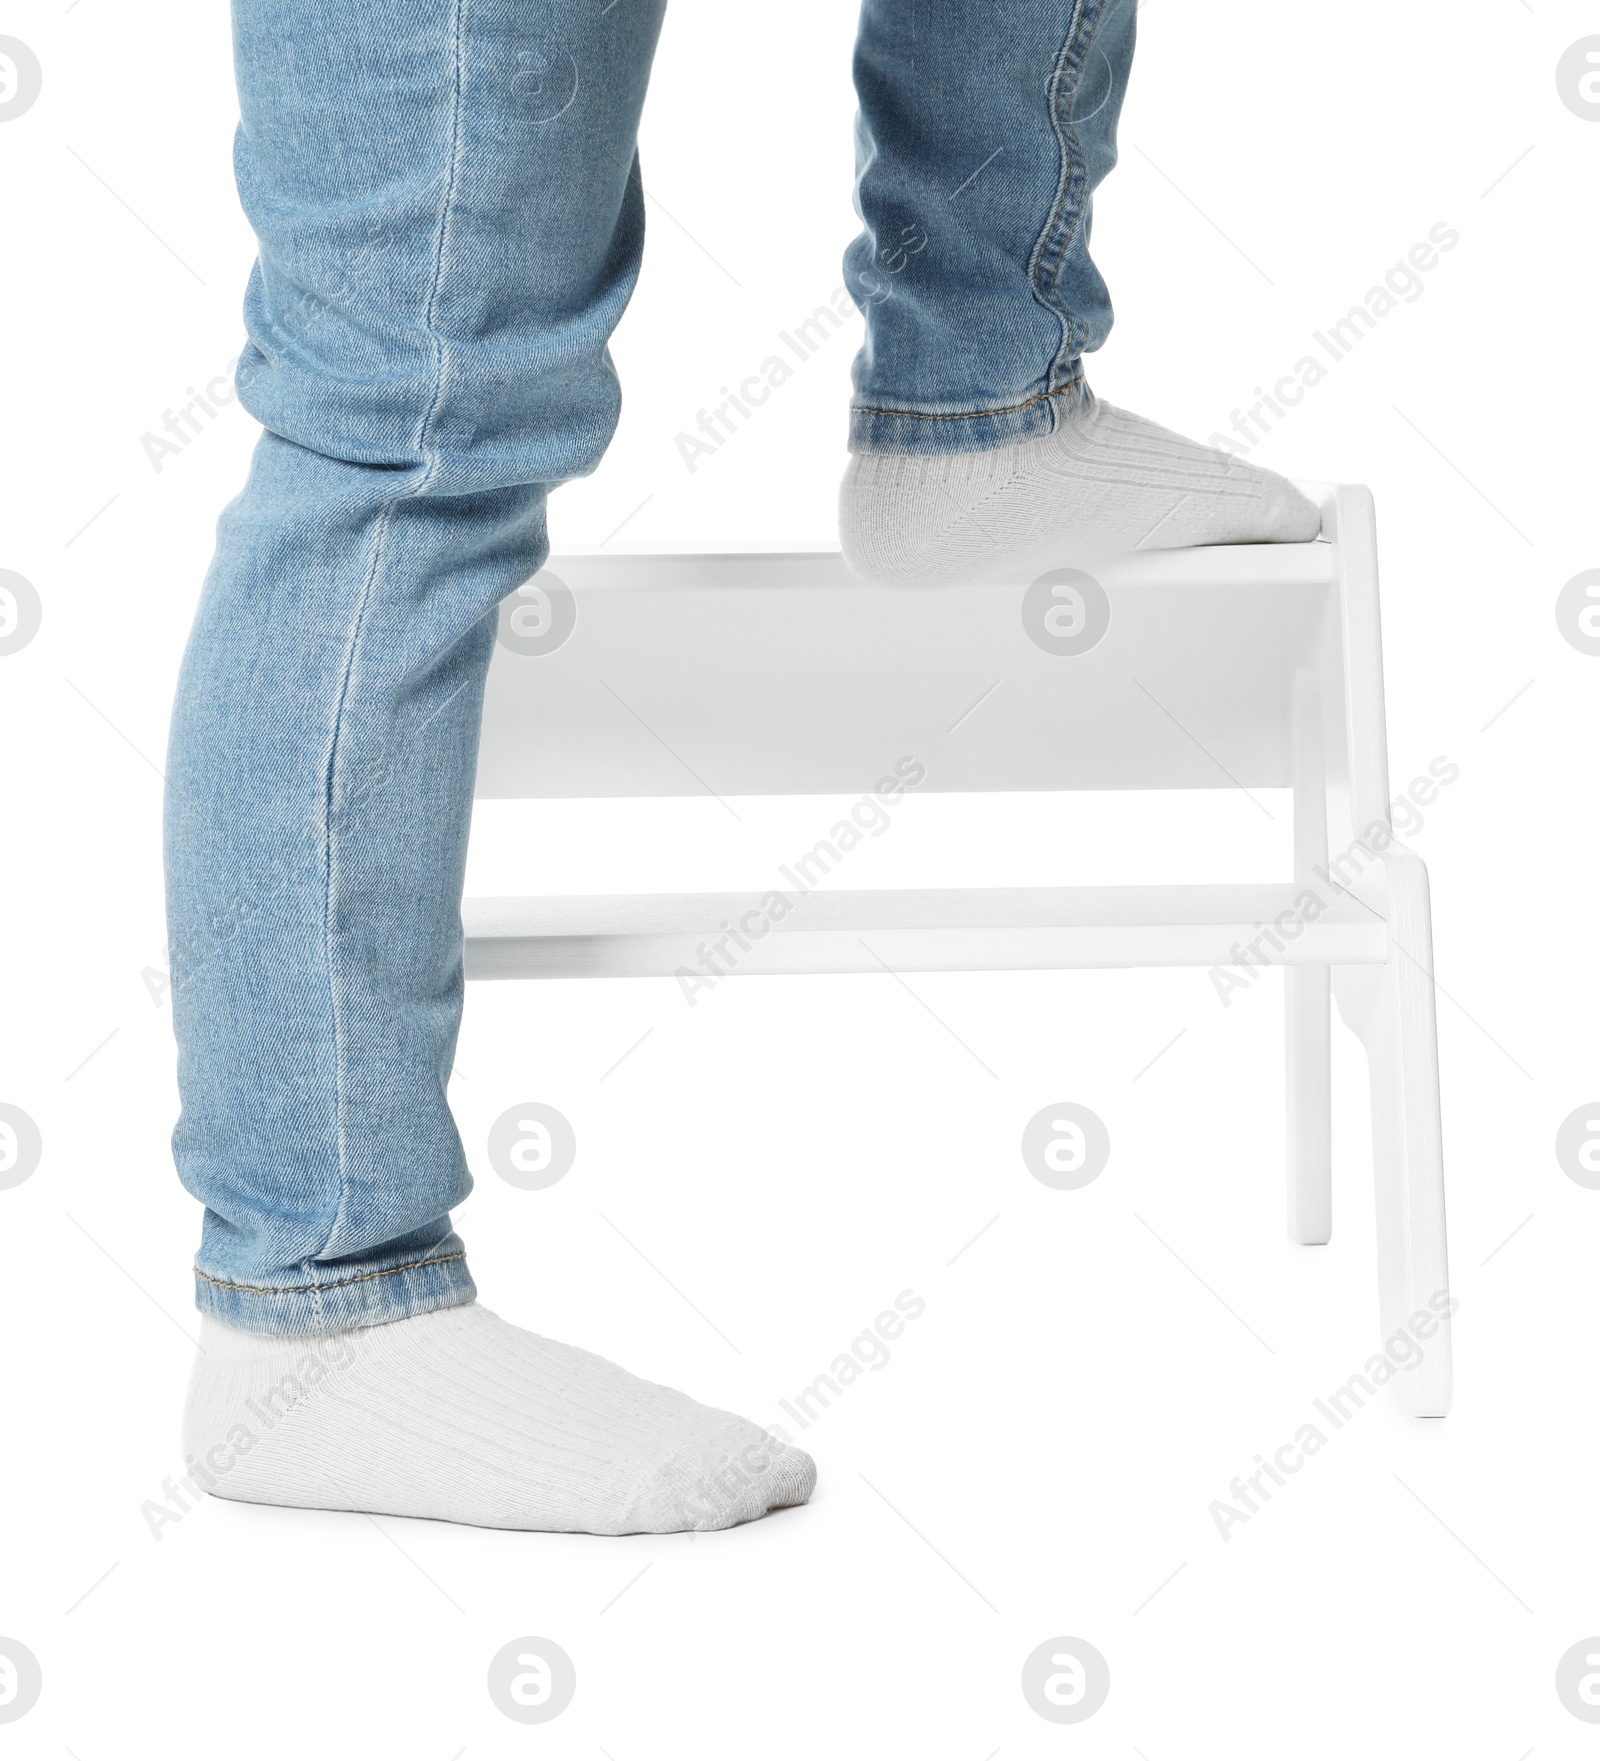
(970, 415)
(335, 1284)
(430, 310)
(1060, 227)
(385, 519)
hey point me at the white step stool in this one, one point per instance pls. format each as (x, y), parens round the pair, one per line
(1256, 665)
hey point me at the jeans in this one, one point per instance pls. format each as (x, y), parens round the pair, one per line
(448, 204)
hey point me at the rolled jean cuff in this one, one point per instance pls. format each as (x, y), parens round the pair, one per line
(344, 1300)
(907, 431)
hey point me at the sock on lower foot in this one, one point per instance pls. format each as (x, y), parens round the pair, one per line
(460, 1416)
(1105, 483)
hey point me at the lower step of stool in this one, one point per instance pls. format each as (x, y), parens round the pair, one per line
(958, 929)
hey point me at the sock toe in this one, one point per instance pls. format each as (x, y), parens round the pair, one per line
(715, 1484)
(794, 1479)
(1288, 516)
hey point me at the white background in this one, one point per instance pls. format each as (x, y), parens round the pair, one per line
(1039, 1456)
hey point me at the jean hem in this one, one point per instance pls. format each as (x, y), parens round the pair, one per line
(366, 1299)
(876, 430)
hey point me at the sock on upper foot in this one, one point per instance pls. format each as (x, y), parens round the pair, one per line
(458, 1415)
(1105, 483)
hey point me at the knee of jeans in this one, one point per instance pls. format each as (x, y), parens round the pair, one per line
(463, 415)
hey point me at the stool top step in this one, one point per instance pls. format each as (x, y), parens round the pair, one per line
(776, 673)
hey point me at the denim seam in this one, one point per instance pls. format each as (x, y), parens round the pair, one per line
(385, 517)
(431, 310)
(333, 1284)
(971, 415)
(1066, 211)
(385, 520)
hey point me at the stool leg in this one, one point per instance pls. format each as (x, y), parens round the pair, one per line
(1391, 1008)
(1309, 1111)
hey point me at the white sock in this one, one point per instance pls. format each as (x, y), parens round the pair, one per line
(458, 1415)
(1106, 483)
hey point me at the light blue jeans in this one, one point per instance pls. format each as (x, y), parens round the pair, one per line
(448, 204)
